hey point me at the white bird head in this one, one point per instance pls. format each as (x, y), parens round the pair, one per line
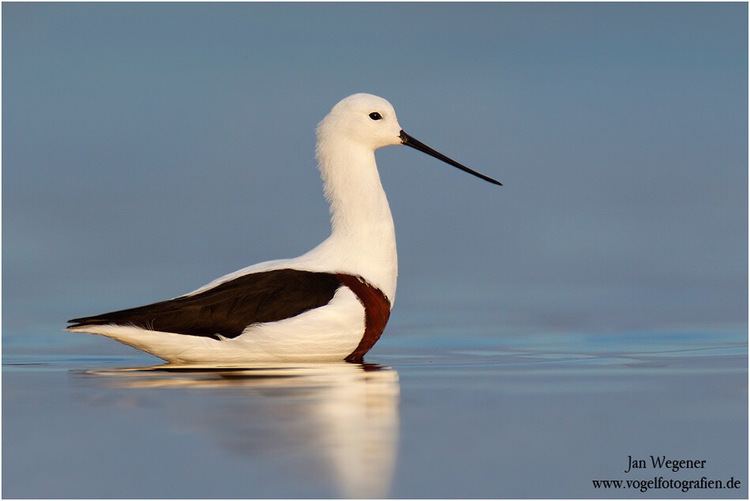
(363, 119)
(370, 121)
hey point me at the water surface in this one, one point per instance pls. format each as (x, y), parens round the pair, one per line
(446, 416)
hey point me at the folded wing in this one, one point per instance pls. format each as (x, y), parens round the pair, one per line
(227, 309)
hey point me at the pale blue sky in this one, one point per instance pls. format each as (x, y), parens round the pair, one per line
(148, 148)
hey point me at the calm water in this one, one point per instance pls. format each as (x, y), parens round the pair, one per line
(442, 415)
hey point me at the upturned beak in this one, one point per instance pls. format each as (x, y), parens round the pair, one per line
(407, 140)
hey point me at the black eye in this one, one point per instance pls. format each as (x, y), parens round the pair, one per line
(375, 115)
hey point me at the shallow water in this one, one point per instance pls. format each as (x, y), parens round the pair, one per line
(447, 415)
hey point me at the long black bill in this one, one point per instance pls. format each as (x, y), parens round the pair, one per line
(417, 145)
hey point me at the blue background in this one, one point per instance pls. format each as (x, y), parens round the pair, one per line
(148, 148)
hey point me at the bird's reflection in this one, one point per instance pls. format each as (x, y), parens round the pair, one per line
(346, 414)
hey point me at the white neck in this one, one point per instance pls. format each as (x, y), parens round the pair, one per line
(363, 238)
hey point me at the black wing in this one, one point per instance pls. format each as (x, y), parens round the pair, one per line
(230, 307)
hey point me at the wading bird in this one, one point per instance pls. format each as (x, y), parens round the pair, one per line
(331, 303)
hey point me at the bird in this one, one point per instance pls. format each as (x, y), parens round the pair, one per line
(332, 303)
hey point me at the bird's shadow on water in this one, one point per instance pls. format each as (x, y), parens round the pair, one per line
(344, 416)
